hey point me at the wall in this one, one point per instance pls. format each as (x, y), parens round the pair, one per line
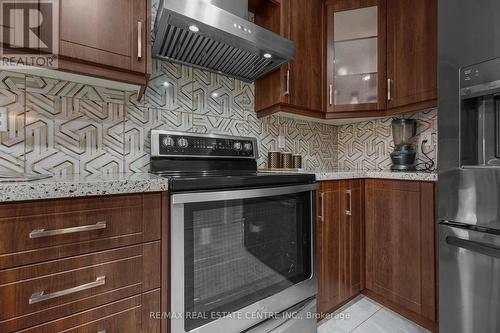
(62, 127)
(367, 145)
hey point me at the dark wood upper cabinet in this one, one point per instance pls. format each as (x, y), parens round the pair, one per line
(356, 56)
(411, 54)
(109, 39)
(400, 247)
(340, 243)
(297, 86)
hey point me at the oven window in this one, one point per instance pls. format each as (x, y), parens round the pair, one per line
(238, 252)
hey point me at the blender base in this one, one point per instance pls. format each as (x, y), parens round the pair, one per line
(403, 168)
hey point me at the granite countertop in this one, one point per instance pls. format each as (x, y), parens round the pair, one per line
(94, 185)
(81, 186)
(356, 174)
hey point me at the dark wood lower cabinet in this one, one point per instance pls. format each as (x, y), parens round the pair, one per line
(400, 248)
(377, 237)
(352, 236)
(85, 264)
(340, 228)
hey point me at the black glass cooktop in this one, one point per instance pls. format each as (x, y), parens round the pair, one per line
(199, 181)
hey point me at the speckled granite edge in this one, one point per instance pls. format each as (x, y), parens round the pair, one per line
(81, 186)
(355, 174)
(339, 175)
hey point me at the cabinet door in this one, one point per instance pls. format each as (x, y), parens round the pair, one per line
(329, 247)
(411, 51)
(112, 32)
(356, 55)
(272, 89)
(305, 71)
(400, 244)
(297, 85)
(353, 238)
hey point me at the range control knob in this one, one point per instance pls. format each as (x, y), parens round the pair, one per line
(168, 142)
(247, 146)
(182, 142)
(237, 146)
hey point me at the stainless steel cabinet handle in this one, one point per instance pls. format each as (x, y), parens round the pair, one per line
(331, 94)
(102, 331)
(43, 296)
(287, 91)
(139, 40)
(349, 195)
(389, 89)
(322, 198)
(39, 233)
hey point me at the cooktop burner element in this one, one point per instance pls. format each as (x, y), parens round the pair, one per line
(205, 162)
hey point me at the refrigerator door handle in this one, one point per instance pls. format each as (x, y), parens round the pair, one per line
(478, 247)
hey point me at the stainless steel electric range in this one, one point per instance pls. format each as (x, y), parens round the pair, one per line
(242, 242)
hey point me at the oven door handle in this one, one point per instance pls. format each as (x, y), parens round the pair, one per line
(240, 194)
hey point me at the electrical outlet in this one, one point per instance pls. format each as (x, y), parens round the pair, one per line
(281, 142)
(427, 138)
(4, 120)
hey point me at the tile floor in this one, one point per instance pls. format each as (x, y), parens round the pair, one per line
(362, 315)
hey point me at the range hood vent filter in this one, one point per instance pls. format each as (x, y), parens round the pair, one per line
(189, 48)
(199, 34)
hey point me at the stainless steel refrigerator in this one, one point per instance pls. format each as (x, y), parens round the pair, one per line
(469, 166)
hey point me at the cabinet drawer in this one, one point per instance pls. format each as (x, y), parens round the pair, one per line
(38, 231)
(34, 294)
(128, 315)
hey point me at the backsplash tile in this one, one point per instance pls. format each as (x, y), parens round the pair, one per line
(64, 127)
(67, 135)
(368, 145)
(54, 87)
(12, 142)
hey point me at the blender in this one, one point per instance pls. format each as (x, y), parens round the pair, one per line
(404, 154)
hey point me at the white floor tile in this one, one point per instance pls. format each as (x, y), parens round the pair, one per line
(386, 321)
(347, 319)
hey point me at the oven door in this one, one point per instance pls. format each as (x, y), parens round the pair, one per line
(238, 257)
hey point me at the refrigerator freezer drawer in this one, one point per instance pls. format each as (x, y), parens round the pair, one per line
(469, 273)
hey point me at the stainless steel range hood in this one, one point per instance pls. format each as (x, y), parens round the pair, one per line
(216, 36)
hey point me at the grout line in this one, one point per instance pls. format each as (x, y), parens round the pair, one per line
(373, 314)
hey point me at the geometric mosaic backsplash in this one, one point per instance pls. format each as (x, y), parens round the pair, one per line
(62, 127)
(367, 145)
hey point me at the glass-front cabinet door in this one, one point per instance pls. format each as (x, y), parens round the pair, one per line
(356, 56)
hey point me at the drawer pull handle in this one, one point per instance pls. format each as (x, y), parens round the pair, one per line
(38, 233)
(102, 331)
(42, 296)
